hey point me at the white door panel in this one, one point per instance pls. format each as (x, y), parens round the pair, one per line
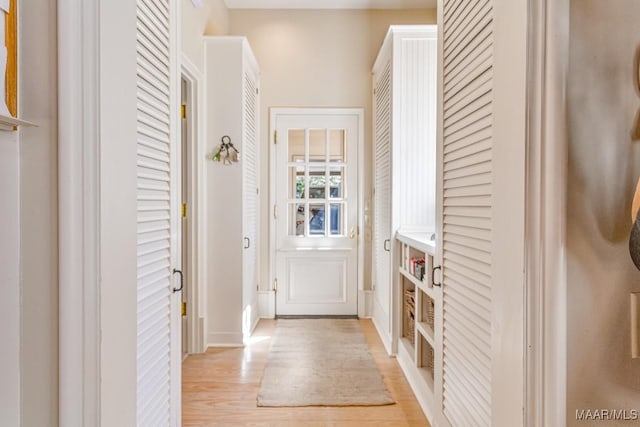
(317, 223)
(158, 169)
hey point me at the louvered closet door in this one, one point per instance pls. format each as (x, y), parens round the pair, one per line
(466, 221)
(382, 196)
(250, 184)
(154, 146)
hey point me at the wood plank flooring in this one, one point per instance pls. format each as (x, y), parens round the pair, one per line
(219, 388)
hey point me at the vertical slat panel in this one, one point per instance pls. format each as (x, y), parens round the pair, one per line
(415, 132)
(250, 183)
(467, 211)
(382, 196)
(154, 214)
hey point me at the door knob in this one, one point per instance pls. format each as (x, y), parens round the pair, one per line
(352, 233)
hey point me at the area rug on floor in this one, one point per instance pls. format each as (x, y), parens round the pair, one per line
(321, 362)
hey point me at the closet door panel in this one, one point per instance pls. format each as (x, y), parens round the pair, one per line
(382, 195)
(467, 211)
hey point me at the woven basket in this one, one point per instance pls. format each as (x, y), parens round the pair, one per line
(427, 358)
(409, 314)
(429, 312)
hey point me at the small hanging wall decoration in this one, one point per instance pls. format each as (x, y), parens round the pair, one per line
(227, 153)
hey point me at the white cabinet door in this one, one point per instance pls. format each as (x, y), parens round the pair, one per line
(316, 228)
(466, 223)
(158, 323)
(251, 198)
(382, 193)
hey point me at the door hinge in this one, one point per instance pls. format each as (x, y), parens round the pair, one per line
(275, 136)
(375, 90)
(184, 308)
(275, 211)
(257, 91)
(275, 285)
(184, 210)
(183, 111)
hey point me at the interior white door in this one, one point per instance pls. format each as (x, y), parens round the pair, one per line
(382, 195)
(158, 169)
(317, 211)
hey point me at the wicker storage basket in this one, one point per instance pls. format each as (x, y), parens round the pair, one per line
(429, 312)
(409, 314)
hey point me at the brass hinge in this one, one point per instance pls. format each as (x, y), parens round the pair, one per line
(183, 111)
(275, 211)
(275, 136)
(184, 308)
(184, 210)
(275, 285)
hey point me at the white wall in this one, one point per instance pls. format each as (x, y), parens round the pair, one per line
(38, 214)
(211, 19)
(118, 214)
(509, 125)
(10, 279)
(317, 58)
(604, 166)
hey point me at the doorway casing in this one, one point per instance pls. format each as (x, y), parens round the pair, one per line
(267, 304)
(196, 272)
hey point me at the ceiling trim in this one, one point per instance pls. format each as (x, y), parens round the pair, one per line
(330, 4)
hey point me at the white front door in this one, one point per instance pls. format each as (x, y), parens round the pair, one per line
(316, 233)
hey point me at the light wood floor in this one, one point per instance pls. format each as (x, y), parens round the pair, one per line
(220, 388)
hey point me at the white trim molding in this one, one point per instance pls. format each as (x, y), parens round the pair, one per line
(196, 341)
(330, 4)
(79, 183)
(268, 296)
(545, 263)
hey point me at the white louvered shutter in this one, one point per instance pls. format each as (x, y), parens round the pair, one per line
(467, 211)
(250, 184)
(154, 148)
(382, 173)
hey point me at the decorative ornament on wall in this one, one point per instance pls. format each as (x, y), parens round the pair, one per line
(634, 239)
(227, 153)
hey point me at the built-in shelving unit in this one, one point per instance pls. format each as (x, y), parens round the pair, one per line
(416, 311)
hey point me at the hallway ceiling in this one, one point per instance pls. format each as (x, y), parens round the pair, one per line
(330, 4)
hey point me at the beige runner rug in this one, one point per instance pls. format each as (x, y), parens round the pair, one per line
(321, 362)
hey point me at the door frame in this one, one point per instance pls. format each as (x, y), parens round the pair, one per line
(274, 112)
(196, 273)
(545, 276)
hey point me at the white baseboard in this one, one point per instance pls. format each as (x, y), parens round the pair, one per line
(365, 304)
(379, 320)
(256, 320)
(225, 339)
(267, 304)
(420, 389)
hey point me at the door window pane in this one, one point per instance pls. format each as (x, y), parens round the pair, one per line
(336, 219)
(317, 145)
(317, 183)
(296, 145)
(336, 182)
(296, 219)
(296, 182)
(337, 145)
(316, 220)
